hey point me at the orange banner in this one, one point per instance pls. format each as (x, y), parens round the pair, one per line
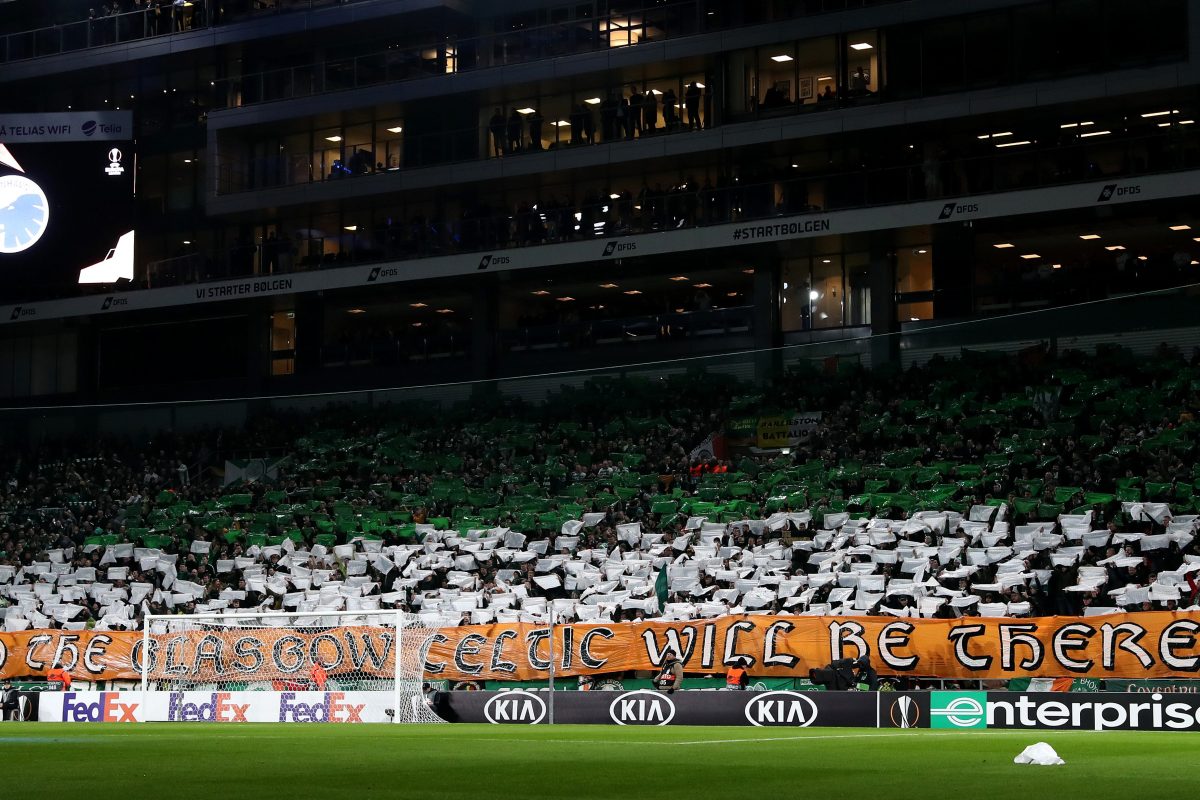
(1142, 645)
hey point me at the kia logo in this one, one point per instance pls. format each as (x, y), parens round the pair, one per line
(642, 707)
(515, 708)
(790, 709)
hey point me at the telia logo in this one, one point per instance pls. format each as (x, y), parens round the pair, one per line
(515, 708)
(642, 707)
(89, 127)
(108, 708)
(331, 709)
(791, 709)
(217, 709)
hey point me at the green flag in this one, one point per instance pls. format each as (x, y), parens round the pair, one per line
(660, 588)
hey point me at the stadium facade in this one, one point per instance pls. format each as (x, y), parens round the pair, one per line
(337, 196)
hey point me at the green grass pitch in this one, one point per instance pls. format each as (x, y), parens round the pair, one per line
(263, 762)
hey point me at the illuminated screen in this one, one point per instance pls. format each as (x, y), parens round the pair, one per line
(66, 217)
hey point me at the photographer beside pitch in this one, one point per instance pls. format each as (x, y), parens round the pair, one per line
(670, 675)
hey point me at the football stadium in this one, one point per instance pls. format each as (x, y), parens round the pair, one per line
(401, 392)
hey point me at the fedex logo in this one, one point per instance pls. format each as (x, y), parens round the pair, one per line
(108, 708)
(217, 709)
(331, 709)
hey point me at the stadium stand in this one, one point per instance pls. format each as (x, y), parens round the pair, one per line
(986, 485)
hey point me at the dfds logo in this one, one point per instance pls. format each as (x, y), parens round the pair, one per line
(1117, 190)
(773, 709)
(331, 709)
(20, 312)
(382, 272)
(108, 708)
(614, 247)
(217, 709)
(950, 209)
(494, 261)
(642, 707)
(113, 302)
(515, 708)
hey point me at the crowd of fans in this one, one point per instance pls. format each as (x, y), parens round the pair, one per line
(980, 486)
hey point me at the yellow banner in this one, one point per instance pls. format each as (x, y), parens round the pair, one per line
(1144, 645)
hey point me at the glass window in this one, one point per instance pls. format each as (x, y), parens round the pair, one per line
(777, 75)
(914, 269)
(283, 343)
(942, 57)
(987, 50)
(914, 312)
(794, 310)
(816, 65)
(858, 289)
(862, 64)
(827, 296)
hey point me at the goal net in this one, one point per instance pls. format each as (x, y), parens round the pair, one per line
(382, 652)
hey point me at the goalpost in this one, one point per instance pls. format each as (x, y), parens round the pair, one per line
(292, 651)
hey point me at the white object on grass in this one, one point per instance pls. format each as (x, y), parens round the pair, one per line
(1040, 754)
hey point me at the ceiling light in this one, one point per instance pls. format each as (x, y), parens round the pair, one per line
(417, 305)
(700, 85)
(1194, 263)
(333, 138)
(862, 46)
(655, 92)
(1090, 134)
(1014, 144)
(417, 324)
(187, 241)
(1143, 258)
(1066, 125)
(735, 294)
(526, 110)
(1056, 266)
(566, 299)
(593, 101)
(187, 161)
(1164, 124)
(397, 129)
(445, 311)
(922, 252)
(632, 291)
(1181, 227)
(1000, 135)
(540, 293)
(1112, 247)
(748, 270)
(356, 311)
(826, 261)
(1029, 256)
(782, 59)
(352, 228)
(1159, 113)
(614, 196)
(1089, 236)
(680, 278)
(1187, 122)
(1003, 245)
(813, 294)
(703, 285)
(608, 286)
(825, 78)
(562, 123)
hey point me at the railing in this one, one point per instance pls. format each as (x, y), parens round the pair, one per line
(394, 350)
(162, 18)
(637, 209)
(587, 334)
(157, 19)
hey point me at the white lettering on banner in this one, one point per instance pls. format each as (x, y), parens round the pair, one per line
(642, 707)
(216, 707)
(276, 286)
(516, 707)
(1030, 201)
(793, 709)
(67, 126)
